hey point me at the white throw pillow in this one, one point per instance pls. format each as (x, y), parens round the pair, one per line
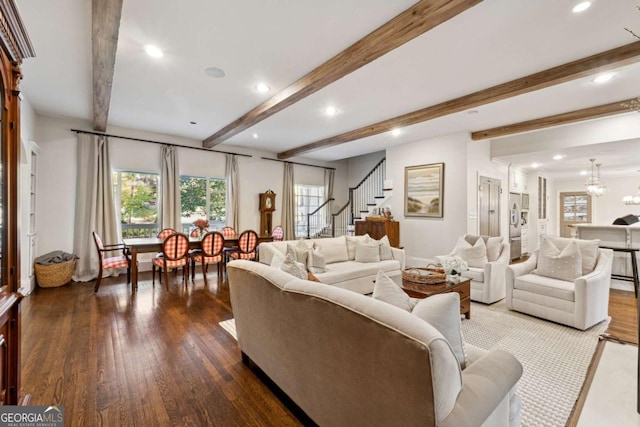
(385, 289)
(277, 259)
(443, 313)
(494, 245)
(367, 252)
(316, 262)
(293, 267)
(588, 250)
(351, 244)
(334, 249)
(475, 256)
(562, 265)
(385, 248)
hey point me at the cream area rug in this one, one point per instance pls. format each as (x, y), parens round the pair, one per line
(555, 358)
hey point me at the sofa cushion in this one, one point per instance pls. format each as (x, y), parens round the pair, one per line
(547, 286)
(351, 270)
(367, 252)
(385, 248)
(474, 273)
(476, 255)
(588, 250)
(562, 265)
(334, 249)
(316, 262)
(293, 267)
(388, 291)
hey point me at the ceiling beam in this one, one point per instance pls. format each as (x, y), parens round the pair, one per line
(555, 120)
(611, 59)
(420, 18)
(105, 25)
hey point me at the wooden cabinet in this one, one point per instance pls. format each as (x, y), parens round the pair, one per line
(377, 228)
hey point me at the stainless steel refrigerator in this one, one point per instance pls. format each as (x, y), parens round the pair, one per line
(515, 226)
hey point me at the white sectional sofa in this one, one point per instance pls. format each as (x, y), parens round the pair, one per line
(341, 268)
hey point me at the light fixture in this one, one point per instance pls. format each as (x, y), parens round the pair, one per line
(535, 165)
(396, 132)
(255, 136)
(632, 200)
(581, 7)
(559, 157)
(331, 110)
(595, 187)
(583, 172)
(603, 78)
(262, 88)
(153, 51)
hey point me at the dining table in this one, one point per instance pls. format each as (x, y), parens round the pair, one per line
(141, 245)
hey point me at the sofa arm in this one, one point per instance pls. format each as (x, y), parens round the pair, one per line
(523, 268)
(398, 254)
(485, 384)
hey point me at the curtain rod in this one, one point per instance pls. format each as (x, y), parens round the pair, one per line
(157, 142)
(296, 163)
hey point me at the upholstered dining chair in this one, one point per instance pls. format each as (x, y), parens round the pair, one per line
(228, 232)
(120, 261)
(247, 246)
(175, 254)
(166, 232)
(211, 253)
(277, 233)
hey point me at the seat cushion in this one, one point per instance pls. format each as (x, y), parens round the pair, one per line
(160, 262)
(474, 273)
(351, 270)
(115, 262)
(546, 286)
(197, 257)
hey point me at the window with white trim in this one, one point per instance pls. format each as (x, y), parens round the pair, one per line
(308, 199)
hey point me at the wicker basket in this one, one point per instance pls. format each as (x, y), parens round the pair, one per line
(54, 275)
(423, 275)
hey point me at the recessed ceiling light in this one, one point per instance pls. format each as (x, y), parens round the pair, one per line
(581, 7)
(153, 51)
(559, 157)
(262, 88)
(214, 72)
(331, 110)
(535, 165)
(603, 78)
(255, 136)
(583, 172)
(396, 132)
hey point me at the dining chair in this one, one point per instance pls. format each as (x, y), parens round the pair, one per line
(165, 232)
(211, 253)
(175, 254)
(277, 233)
(228, 232)
(120, 261)
(247, 246)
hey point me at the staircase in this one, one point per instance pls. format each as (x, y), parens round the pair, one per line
(368, 195)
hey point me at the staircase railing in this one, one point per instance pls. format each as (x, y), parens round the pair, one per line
(363, 195)
(340, 221)
(319, 220)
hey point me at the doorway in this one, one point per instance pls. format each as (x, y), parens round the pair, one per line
(575, 208)
(489, 209)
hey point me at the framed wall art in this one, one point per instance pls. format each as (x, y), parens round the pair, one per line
(424, 190)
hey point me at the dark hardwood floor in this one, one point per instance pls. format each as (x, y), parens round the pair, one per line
(158, 358)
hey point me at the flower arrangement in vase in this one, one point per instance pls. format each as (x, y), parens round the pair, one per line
(454, 266)
(202, 225)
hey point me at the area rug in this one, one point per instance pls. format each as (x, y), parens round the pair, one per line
(555, 358)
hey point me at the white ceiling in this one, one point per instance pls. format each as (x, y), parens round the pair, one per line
(280, 41)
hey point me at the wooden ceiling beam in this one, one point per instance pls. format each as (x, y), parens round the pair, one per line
(105, 26)
(555, 120)
(420, 18)
(611, 59)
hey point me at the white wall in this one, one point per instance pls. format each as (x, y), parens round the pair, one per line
(358, 167)
(57, 174)
(424, 238)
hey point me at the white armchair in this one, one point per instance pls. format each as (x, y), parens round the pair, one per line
(579, 304)
(487, 283)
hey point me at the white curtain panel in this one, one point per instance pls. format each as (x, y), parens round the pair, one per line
(329, 175)
(170, 208)
(231, 176)
(95, 208)
(289, 203)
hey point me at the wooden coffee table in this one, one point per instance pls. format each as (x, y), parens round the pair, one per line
(417, 290)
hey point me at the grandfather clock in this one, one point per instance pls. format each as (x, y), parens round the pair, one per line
(267, 206)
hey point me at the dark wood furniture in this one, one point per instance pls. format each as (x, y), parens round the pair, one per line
(267, 205)
(417, 290)
(379, 227)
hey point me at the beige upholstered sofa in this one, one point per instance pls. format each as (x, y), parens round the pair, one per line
(487, 281)
(342, 269)
(580, 303)
(350, 360)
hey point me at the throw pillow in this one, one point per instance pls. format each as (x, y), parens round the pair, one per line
(277, 259)
(351, 244)
(588, 250)
(385, 248)
(312, 278)
(334, 249)
(367, 252)
(475, 256)
(494, 245)
(293, 267)
(443, 313)
(316, 262)
(385, 289)
(562, 265)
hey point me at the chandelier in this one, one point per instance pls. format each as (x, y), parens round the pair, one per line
(632, 200)
(594, 186)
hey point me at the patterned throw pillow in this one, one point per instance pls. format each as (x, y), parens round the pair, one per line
(294, 267)
(475, 256)
(385, 248)
(385, 289)
(562, 265)
(315, 261)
